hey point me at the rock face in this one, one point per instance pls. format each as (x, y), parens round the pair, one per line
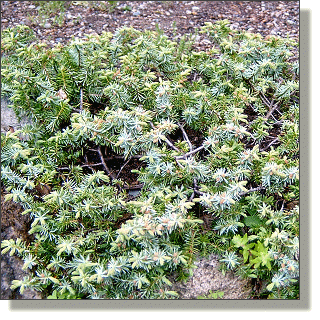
(13, 226)
(9, 119)
(11, 269)
(208, 277)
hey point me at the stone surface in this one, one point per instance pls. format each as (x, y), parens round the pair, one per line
(13, 226)
(9, 119)
(207, 276)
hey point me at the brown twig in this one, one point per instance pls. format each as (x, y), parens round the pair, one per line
(104, 164)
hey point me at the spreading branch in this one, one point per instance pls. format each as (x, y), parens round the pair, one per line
(270, 104)
(123, 167)
(190, 153)
(104, 164)
(81, 99)
(251, 190)
(270, 144)
(271, 109)
(170, 144)
(185, 136)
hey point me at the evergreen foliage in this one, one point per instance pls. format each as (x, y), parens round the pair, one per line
(216, 133)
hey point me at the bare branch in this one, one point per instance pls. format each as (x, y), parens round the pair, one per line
(115, 157)
(123, 167)
(135, 187)
(271, 109)
(104, 164)
(185, 136)
(190, 153)
(63, 168)
(270, 144)
(265, 100)
(179, 164)
(195, 189)
(92, 165)
(191, 197)
(81, 99)
(252, 190)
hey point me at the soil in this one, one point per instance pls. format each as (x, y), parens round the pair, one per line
(175, 18)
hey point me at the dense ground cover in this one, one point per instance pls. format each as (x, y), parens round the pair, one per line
(197, 153)
(176, 18)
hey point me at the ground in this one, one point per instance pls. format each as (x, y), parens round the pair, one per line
(175, 18)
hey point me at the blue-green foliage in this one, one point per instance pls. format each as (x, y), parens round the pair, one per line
(201, 125)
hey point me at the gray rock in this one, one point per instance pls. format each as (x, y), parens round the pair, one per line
(9, 118)
(69, 16)
(11, 269)
(47, 25)
(13, 226)
(206, 41)
(134, 193)
(136, 13)
(206, 277)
